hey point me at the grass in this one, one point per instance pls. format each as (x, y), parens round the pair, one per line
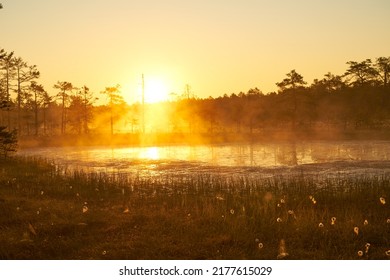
(49, 212)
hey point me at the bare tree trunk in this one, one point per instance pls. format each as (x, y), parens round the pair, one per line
(36, 113)
(63, 115)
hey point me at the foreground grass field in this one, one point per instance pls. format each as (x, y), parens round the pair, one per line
(51, 213)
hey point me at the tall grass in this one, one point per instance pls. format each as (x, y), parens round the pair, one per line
(49, 212)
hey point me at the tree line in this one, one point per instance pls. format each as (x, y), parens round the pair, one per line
(356, 99)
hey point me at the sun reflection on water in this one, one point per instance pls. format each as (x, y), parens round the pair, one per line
(220, 158)
(150, 153)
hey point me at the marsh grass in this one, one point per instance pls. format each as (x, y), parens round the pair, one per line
(48, 212)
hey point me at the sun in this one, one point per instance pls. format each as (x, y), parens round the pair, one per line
(155, 90)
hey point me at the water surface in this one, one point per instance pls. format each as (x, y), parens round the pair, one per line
(317, 157)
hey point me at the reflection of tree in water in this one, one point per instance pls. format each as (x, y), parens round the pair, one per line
(321, 153)
(287, 154)
(240, 155)
(344, 151)
(252, 161)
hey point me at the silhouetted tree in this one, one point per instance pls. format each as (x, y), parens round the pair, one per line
(24, 74)
(360, 73)
(114, 98)
(383, 69)
(65, 89)
(188, 93)
(6, 64)
(290, 84)
(8, 141)
(333, 82)
(293, 80)
(46, 100)
(39, 97)
(87, 100)
(76, 113)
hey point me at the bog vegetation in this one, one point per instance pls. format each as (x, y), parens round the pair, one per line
(356, 100)
(50, 212)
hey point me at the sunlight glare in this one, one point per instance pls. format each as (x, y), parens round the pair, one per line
(151, 153)
(155, 90)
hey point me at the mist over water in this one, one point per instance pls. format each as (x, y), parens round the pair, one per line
(355, 157)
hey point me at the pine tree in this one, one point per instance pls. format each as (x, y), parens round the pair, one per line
(8, 141)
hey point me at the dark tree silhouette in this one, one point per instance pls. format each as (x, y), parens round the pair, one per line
(292, 81)
(329, 83)
(6, 64)
(383, 69)
(114, 99)
(87, 99)
(291, 84)
(40, 95)
(360, 73)
(24, 74)
(8, 141)
(65, 88)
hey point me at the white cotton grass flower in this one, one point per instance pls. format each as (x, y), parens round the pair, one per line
(232, 211)
(282, 201)
(360, 253)
(42, 192)
(387, 253)
(365, 222)
(388, 221)
(333, 221)
(320, 225)
(85, 209)
(279, 220)
(356, 230)
(382, 200)
(260, 245)
(290, 212)
(126, 210)
(220, 198)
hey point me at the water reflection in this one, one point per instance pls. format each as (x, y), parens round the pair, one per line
(246, 155)
(287, 155)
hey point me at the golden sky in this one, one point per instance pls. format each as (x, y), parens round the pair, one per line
(216, 46)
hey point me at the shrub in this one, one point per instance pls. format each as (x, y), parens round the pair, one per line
(8, 141)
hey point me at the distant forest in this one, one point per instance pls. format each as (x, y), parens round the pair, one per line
(357, 100)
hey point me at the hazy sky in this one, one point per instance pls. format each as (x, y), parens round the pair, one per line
(216, 46)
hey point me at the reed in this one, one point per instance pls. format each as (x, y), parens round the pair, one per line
(52, 212)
